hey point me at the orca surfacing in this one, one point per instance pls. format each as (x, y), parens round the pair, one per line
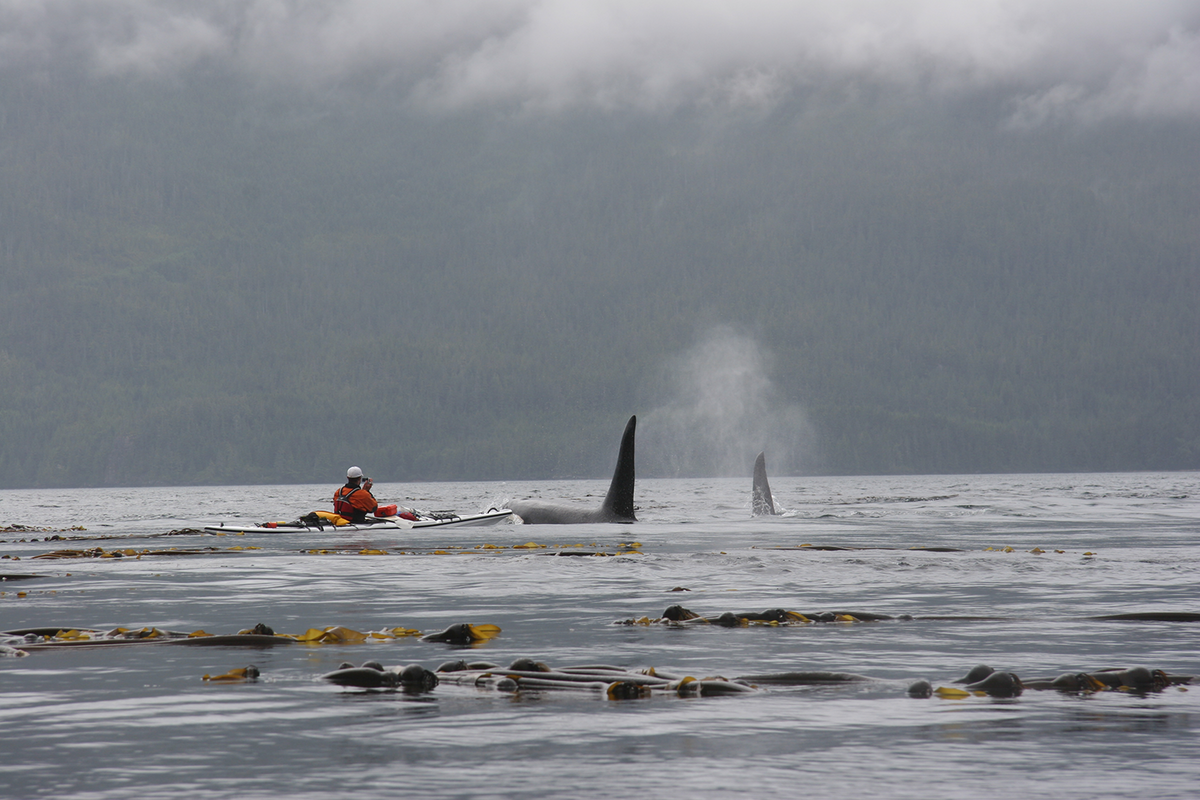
(617, 505)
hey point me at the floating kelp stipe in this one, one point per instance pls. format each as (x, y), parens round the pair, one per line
(601, 551)
(773, 617)
(678, 616)
(607, 682)
(618, 549)
(259, 636)
(983, 681)
(130, 552)
(526, 675)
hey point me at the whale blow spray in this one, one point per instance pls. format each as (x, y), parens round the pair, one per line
(719, 410)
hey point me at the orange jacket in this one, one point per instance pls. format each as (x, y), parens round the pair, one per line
(353, 502)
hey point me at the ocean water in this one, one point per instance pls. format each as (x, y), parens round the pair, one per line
(138, 720)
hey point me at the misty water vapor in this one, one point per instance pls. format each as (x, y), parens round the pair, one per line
(1054, 59)
(720, 409)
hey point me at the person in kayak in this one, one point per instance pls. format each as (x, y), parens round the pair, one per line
(354, 500)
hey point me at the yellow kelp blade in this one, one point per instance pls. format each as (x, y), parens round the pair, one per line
(234, 675)
(951, 693)
(480, 633)
(311, 635)
(340, 635)
(401, 632)
(72, 634)
(685, 687)
(393, 633)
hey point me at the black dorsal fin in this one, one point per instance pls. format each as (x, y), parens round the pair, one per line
(618, 504)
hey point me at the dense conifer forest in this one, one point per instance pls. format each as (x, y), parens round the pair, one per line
(205, 282)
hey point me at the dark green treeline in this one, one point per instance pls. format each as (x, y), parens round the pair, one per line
(205, 284)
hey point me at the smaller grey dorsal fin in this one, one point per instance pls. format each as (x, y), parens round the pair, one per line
(761, 503)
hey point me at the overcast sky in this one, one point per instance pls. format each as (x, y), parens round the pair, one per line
(1044, 59)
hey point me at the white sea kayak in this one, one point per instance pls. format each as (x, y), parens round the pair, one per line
(425, 519)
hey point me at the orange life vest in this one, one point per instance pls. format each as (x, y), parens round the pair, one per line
(347, 502)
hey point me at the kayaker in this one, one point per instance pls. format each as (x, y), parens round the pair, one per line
(354, 500)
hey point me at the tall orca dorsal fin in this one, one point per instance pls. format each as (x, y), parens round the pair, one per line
(761, 503)
(618, 503)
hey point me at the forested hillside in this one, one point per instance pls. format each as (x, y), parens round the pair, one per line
(207, 283)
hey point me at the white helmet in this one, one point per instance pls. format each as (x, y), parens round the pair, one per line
(353, 472)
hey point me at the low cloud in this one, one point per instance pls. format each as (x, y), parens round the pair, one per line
(1052, 59)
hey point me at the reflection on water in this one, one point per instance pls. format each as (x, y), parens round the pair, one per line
(137, 719)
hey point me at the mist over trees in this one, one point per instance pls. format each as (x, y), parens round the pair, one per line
(204, 281)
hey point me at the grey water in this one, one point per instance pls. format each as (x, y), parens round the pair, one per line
(138, 720)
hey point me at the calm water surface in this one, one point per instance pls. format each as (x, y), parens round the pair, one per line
(137, 720)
